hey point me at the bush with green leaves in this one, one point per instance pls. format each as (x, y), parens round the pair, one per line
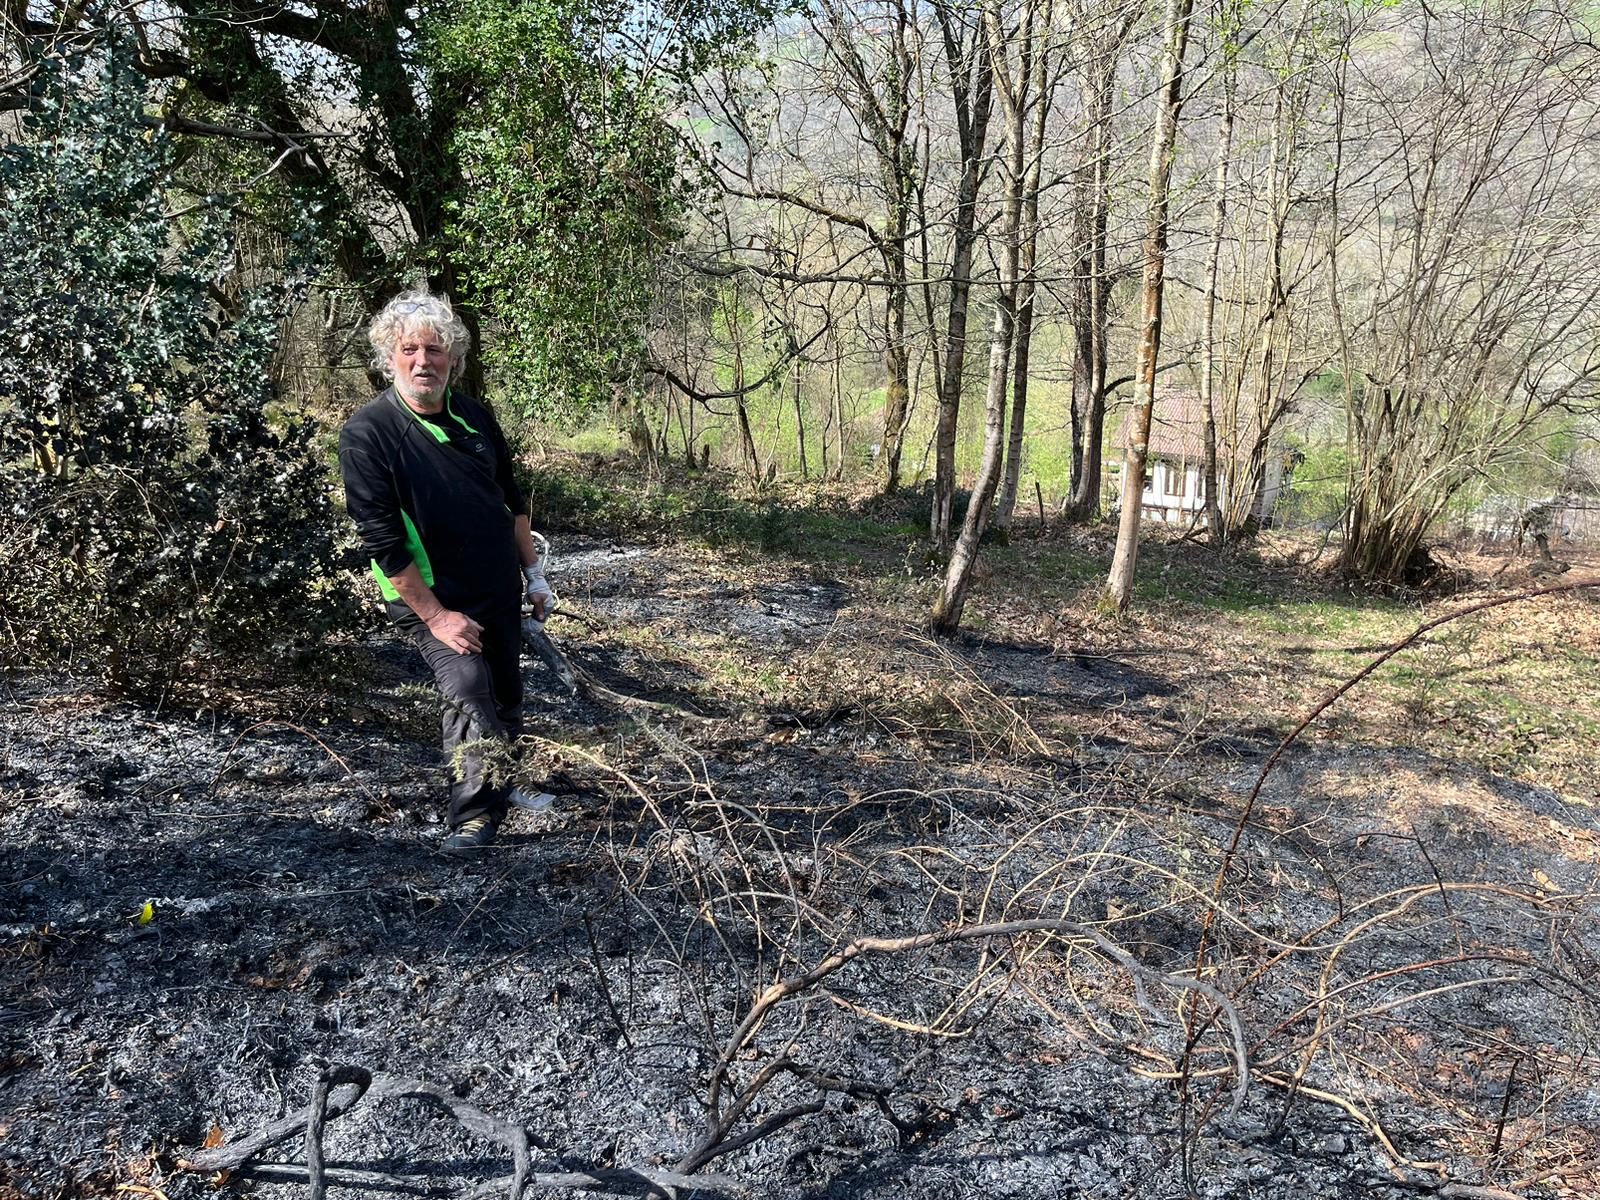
(159, 518)
(568, 180)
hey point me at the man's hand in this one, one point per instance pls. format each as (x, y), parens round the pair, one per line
(540, 594)
(539, 600)
(457, 630)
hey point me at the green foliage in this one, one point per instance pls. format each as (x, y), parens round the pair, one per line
(569, 175)
(1317, 491)
(598, 437)
(154, 513)
(615, 502)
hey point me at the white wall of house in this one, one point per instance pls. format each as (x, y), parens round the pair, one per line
(1174, 490)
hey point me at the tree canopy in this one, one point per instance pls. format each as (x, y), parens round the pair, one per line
(518, 155)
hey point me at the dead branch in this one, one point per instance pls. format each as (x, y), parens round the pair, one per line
(643, 1180)
(1248, 811)
(229, 1157)
(318, 1118)
(794, 985)
(1363, 1118)
(509, 1134)
(648, 1181)
(771, 1125)
(350, 1177)
(340, 1088)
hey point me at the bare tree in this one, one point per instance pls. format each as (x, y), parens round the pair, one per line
(1228, 22)
(1103, 40)
(1285, 203)
(1467, 313)
(971, 78)
(1019, 88)
(1041, 90)
(878, 96)
(1175, 37)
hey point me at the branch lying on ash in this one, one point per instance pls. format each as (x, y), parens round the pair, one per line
(340, 1088)
(716, 1140)
(1311, 1045)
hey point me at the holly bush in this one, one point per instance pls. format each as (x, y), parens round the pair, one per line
(161, 519)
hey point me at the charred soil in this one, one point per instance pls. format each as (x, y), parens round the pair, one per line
(207, 912)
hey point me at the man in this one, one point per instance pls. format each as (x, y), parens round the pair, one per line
(428, 481)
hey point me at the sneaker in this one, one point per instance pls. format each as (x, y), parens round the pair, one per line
(472, 834)
(532, 801)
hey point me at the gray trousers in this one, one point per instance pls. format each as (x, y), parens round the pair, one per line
(482, 699)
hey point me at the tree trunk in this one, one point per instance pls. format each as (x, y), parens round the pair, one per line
(971, 81)
(838, 411)
(800, 424)
(1092, 318)
(881, 103)
(1119, 583)
(1013, 94)
(1022, 336)
(749, 457)
(1208, 307)
(897, 362)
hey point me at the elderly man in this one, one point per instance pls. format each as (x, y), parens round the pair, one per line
(428, 481)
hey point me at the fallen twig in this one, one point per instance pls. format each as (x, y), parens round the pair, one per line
(633, 1179)
(339, 1088)
(230, 1156)
(318, 1118)
(794, 985)
(350, 1177)
(1248, 811)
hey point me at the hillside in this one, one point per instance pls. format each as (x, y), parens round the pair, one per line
(204, 909)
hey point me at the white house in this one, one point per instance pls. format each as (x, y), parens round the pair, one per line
(1174, 480)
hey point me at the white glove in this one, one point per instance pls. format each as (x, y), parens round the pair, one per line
(540, 594)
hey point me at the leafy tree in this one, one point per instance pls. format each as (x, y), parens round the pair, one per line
(516, 153)
(156, 513)
(568, 187)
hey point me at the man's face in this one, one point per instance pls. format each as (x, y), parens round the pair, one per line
(421, 365)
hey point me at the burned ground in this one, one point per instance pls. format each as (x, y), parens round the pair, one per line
(203, 909)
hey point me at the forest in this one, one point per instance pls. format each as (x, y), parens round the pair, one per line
(1075, 530)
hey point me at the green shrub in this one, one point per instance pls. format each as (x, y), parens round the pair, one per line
(157, 518)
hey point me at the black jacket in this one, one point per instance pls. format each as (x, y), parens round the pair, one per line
(438, 492)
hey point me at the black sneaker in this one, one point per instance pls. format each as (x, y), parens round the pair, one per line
(472, 834)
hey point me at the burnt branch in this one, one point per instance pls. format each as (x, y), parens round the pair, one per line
(340, 1088)
(720, 1124)
(230, 1157)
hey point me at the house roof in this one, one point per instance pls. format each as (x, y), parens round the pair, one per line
(1178, 426)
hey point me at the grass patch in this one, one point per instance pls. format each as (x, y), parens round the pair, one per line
(1246, 641)
(611, 499)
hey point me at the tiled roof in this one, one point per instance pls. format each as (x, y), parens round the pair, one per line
(1178, 425)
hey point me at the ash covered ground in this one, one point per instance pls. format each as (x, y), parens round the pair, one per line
(202, 910)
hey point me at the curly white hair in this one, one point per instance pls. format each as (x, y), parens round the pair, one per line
(417, 309)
